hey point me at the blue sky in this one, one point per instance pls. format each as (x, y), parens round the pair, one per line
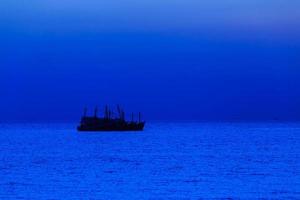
(206, 60)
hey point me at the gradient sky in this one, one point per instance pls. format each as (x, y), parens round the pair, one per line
(170, 59)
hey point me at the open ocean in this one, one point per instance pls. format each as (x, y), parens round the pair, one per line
(166, 161)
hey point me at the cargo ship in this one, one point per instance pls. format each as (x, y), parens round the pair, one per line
(110, 123)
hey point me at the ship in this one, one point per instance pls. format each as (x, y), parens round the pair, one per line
(110, 123)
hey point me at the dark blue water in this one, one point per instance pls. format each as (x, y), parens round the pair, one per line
(166, 161)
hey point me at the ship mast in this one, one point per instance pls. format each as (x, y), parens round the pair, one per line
(109, 114)
(123, 115)
(96, 112)
(119, 111)
(106, 112)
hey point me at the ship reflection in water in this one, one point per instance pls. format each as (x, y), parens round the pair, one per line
(109, 122)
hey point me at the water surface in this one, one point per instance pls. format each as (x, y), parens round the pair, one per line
(166, 161)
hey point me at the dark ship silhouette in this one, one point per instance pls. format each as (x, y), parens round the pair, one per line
(109, 123)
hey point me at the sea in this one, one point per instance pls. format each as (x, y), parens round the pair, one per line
(168, 160)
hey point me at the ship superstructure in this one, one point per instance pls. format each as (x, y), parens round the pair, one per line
(110, 123)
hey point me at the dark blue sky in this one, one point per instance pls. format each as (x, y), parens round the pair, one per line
(172, 59)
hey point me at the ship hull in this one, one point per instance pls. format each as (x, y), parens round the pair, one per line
(127, 127)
